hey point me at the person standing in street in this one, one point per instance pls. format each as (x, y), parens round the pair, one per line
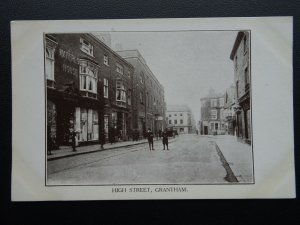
(150, 138)
(73, 134)
(165, 140)
(102, 139)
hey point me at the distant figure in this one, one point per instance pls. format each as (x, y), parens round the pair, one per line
(73, 135)
(50, 143)
(102, 139)
(165, 139)
(111, 135)
(150, 139)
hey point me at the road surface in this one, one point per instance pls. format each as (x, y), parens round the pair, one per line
(191, 159)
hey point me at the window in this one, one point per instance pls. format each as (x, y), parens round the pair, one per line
(237, 89)
(175, 114)
(88, 76)
(105, 60)
(141, 97)
(213, 102)
(175, 121)
(119, 68)
(170, 115)
(245, 44)
(247, 79)
(49, 63)
(221, 100)
(129, 97)
(128, 74)
(212, 126)
(106, 125)
(105, 88)
(86, 47)
(142, 78)
(170, 121)
(181, 121)
(216, 126)
(180, 114)
(213, 114)
(120, 93)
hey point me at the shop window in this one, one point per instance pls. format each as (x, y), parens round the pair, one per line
(89, 127)
(86, 47)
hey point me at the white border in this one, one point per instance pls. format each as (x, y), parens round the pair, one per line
(272, 108)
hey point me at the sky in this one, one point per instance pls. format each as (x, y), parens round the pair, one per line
(186, 63)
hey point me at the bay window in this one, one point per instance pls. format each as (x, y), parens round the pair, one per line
(50, 46)
(88, 78)
(120, 93)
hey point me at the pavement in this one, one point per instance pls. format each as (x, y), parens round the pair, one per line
(238, 156)
(67, 151)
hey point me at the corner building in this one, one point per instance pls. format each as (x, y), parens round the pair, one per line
(88, 89)
(240, 55)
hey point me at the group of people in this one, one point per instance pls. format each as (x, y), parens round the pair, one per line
(164, 136)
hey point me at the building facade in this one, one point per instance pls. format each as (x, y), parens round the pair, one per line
(240, 55)
(88, 89)
(180, 118)
(148, 106)
(212, 114)
(228, 113)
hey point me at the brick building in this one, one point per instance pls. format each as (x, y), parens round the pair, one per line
(212, 114)
(180, 118)
(148, 105)
(240, 55)
(88, 89)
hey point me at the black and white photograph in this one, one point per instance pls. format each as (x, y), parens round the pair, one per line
(152, 109)
(168, 107)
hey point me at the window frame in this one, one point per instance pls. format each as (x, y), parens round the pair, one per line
(87, 47)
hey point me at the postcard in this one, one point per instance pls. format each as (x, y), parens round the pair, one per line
(152, 109)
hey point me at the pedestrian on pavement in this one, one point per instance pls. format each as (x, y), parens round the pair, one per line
(111, 135)
(102, 139)
(73, 135)
(150, 138)
(50, 143)
(165, 140)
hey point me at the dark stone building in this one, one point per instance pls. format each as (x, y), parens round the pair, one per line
(240, 55)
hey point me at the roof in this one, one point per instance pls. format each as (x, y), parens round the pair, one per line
(236, 44)
(178, 108)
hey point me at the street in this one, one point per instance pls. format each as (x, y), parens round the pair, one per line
(192, 159)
